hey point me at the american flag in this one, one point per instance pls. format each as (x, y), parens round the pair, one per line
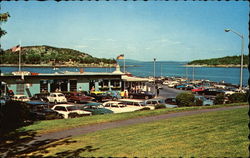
(120, 56)
(16, 48)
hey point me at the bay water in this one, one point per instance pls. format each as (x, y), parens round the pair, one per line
(162, 68)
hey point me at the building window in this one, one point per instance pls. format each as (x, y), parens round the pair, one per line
(20, 88)
(43, 86)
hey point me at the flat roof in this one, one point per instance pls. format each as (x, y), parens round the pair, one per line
(135, 79)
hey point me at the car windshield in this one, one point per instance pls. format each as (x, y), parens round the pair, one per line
(60, 95)
(72, 108)
(121, 105)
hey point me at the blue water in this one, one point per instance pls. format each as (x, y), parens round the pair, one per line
(144, 69)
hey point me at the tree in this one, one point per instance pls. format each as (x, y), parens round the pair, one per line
(3, 18)
(185, 99)
(219, 99)
(237, 98)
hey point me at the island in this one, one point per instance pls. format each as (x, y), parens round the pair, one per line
(48, 56)
(228, 61)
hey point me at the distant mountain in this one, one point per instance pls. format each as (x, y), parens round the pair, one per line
(48, 55)
(228, 60)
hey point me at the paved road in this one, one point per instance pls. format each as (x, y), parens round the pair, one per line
(167, 92)
(108, 125)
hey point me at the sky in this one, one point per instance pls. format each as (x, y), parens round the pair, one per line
(167, 31)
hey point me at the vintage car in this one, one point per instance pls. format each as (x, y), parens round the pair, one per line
(70, 111)
(171, 101)
(95, 108)
(57, 98)
(20, 97)
(205, 101)
(211, 91)
(141, 95)
(198, 89)
(40, 96)
(39, 110)
(78, 97)
(120, 107)
(154, 102)
(104, 96)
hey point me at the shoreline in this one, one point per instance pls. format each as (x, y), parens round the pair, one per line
(62, 66)
(219, 66)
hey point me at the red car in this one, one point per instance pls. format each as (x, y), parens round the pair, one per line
(199, 89)
(78, 97)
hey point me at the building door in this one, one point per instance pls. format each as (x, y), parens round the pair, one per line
(73, 85)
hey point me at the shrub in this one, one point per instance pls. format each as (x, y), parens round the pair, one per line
(145, 108)
(14, 114)
(185, 99)
(237, 98)
(198, 102)
(160, 106)
(219, 99)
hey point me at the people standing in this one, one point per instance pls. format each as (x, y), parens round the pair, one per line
(158, 91)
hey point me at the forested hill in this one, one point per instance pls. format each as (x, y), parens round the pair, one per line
(48, 55)
(228, 60)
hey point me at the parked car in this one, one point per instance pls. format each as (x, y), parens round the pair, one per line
(154, 102)
(141, 95)
(198, 89)
(102, 97)
(211, 91)
(40, 111)
(182, 86)
(206, 102)
(3, 100)
(69, 111)
(78, 97)
(20, 97)
(171, 101)
(135, 103)
(119, 107)
(57, 98)
(95, 108)
(40, 96)
(115, 95)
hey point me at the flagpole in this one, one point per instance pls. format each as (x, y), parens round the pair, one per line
(124, 64)
(20, 57)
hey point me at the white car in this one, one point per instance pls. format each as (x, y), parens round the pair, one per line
(119, 107)
(57, 98)
(135, 103)
(67, 109)
(23, 98)
(154, 102)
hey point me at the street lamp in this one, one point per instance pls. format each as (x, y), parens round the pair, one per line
(154, 70)
(242, 49)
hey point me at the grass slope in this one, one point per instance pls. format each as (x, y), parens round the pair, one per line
(42, 127)
(213, 134)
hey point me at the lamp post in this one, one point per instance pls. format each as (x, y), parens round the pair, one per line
(242, 49)
(154, 70)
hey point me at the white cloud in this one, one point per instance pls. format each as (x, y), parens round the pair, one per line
(110, 40)
(81, 46)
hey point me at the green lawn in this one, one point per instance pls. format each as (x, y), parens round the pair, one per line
(62, 124)
(222, 133)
